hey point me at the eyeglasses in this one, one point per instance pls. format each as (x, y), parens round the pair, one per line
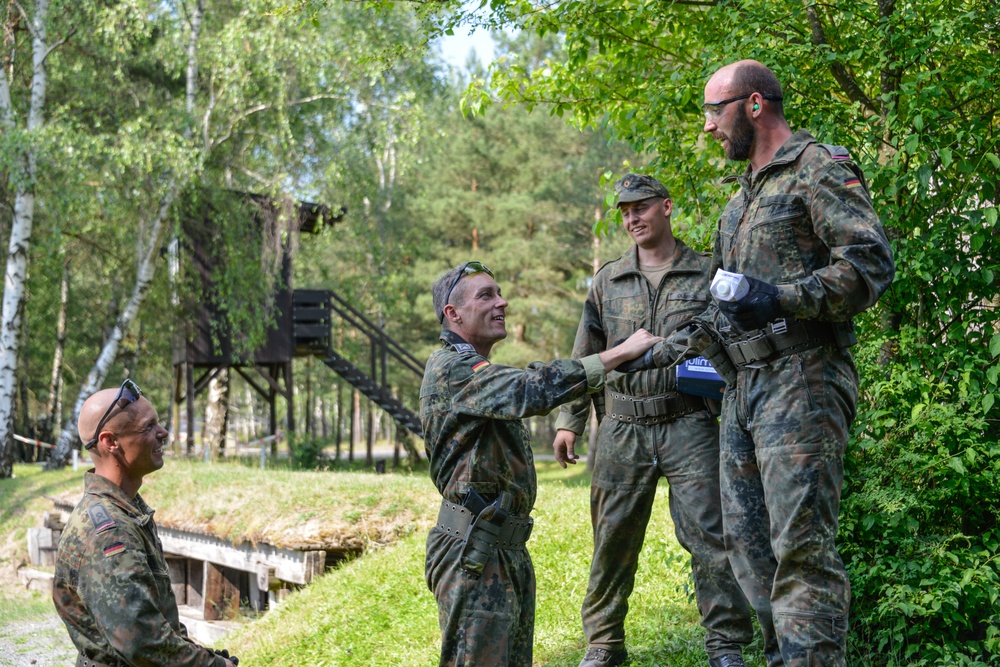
(128, 394)
(467, 269)
(714, 109)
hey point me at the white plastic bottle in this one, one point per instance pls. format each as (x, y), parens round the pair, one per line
(728, 286)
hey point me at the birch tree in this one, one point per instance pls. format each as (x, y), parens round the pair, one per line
(22, 169)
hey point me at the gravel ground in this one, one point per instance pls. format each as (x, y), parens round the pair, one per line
(37, 643)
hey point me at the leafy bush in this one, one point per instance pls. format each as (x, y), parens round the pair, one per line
(307, 454)
(919, 520)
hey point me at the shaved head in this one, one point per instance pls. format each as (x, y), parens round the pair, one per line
(94, 408)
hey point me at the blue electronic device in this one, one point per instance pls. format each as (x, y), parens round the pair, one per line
(696, 376)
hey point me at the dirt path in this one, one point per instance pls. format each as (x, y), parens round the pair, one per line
(41, 642)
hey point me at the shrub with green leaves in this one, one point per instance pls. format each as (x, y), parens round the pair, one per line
(919, 522)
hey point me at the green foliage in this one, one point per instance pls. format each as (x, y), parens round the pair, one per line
(307, 454)
(920, 525)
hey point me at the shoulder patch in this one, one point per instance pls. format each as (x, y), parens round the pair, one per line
(462, 348)
(480, 365)
(837, 152)
(113, 549)
(100, 518)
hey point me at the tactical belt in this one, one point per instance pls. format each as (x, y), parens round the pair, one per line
(653, 409)
(784, 337)
(82, 661)
(454, 519)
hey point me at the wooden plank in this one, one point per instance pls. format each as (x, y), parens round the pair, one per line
(297, 567)
(195, 582)
(222, 593)
(177, 567)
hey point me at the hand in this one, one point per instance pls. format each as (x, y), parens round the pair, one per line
(231, 661)
(563, 446)
(756, 309)
(634, 346)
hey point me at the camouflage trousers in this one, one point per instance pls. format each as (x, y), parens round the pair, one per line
(630, 460)
(784, 430)
(486, 621)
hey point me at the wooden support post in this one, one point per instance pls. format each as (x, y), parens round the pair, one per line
(177, 568)
(195, 583)
(189, 368)
(222, 593)
(289, 397)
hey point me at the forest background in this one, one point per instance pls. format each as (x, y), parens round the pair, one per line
(120, 119)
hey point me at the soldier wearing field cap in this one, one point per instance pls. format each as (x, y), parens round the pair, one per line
(111, 586)
(649, 430)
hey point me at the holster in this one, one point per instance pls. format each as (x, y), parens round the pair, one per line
(483, 530)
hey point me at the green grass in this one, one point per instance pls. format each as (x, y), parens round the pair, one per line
(23, 501)
(376, 611)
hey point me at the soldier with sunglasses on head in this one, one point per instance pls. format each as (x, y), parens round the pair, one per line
(480, 457)
(111, 586)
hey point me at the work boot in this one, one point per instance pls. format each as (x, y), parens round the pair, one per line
(602, 657)
(728, 660)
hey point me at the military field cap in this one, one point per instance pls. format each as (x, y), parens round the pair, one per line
(636, 187)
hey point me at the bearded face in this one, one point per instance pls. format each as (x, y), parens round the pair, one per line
(740, 137)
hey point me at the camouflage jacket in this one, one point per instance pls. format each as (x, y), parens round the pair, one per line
(805, 223)
(622, 301)
(471, 413)
(112, 588)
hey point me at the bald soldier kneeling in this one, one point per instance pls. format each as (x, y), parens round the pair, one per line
(111, 585)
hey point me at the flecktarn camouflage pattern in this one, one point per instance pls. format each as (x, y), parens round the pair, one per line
(804, 223)
(471, 412)
(632, 457)
(112, 588)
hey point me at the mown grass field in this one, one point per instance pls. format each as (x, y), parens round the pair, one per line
(375, 610)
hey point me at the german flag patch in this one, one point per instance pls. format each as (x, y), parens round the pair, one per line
(114, 549)
(852, 183)
(480, 366)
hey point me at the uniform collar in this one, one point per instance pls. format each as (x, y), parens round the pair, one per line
(684, 261)
(102, 487)
(451, 339)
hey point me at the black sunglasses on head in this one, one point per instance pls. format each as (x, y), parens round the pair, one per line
(467, 269)
(128, 394)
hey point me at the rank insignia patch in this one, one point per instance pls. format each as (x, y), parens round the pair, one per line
(100, 518)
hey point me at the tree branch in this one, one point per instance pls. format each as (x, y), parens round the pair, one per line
(840, 73)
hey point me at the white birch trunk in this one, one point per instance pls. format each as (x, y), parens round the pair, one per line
(216, 414)
(15, 274)
(149, 248)
(95, 378)
(53, 409)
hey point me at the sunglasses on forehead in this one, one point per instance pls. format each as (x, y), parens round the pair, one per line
(128, 394)
(467, 269)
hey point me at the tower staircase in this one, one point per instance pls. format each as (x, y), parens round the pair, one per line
(312, 317)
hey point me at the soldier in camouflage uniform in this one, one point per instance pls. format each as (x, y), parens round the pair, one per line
(802, 229)
(477, 566)
(111, 584)
(659, 284)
